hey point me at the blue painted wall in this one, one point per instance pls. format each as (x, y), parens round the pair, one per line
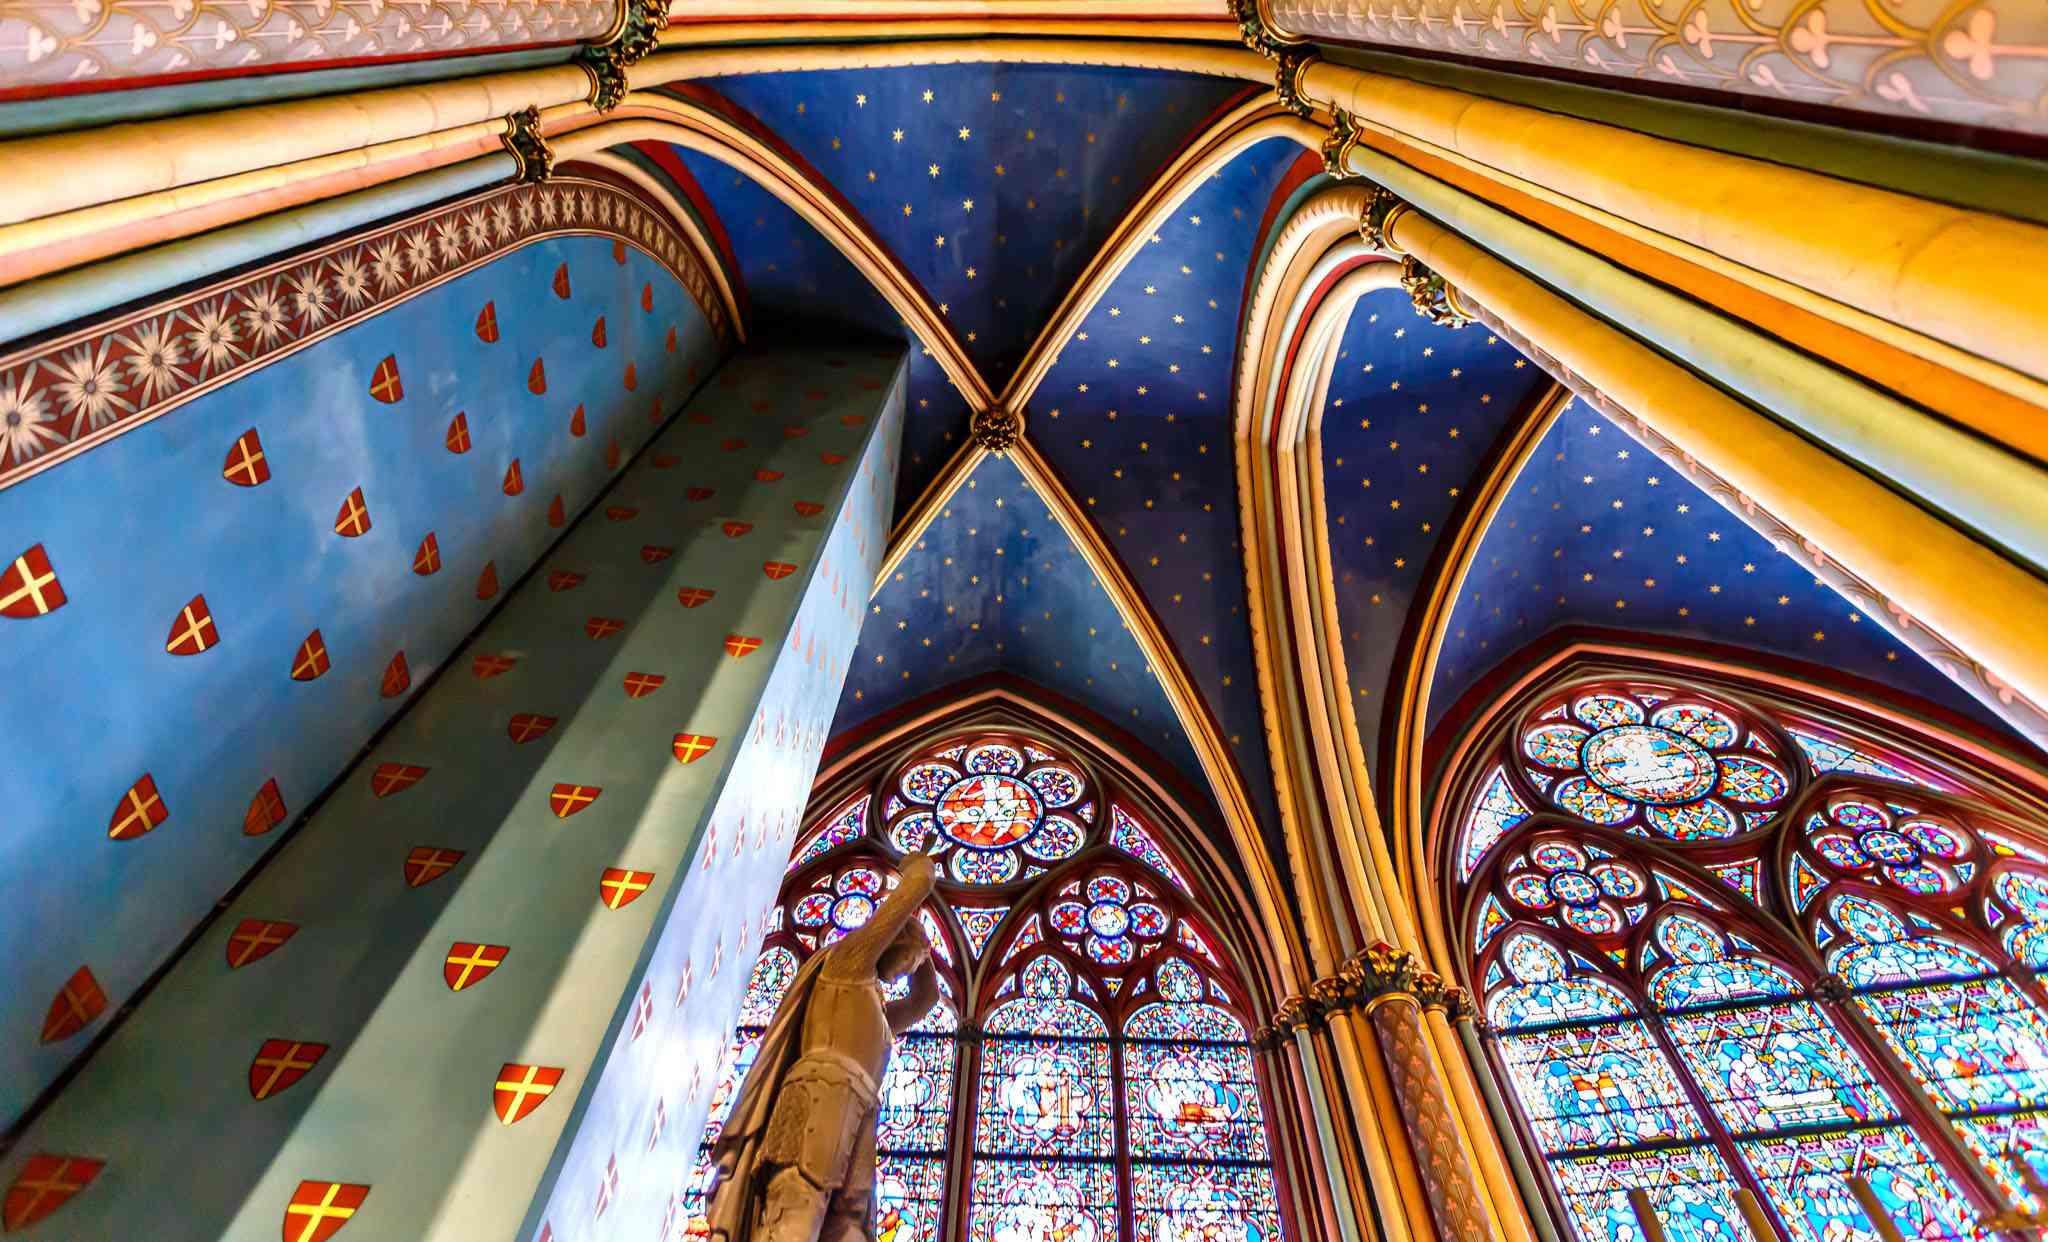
(140, 524)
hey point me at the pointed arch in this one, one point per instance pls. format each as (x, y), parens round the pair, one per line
(1819, 911)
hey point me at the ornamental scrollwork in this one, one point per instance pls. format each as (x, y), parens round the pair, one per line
(637, 34)
(529, 147)
(1287, 80)
(1376, 222)
(1252, 28)
(1338, 143)
(1434, 298)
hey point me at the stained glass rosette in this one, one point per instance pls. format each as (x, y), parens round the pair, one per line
(1587, 888)
(1110, 919)
(993, 809)
(1682, 770)
(838, 904)
(1868, 836)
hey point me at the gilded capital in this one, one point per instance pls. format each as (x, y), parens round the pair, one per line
(1287, 80)
(636, 34)
(1435, 300)
(1252, 28)
(529, 147)
(1376, 222)
(1337, 144)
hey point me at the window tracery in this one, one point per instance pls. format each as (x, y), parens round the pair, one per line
(1101, 1087)
(1725, 947)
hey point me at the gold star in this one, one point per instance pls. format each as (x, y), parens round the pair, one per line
(860, 101)
(933, 169)
(971, 273)
(995, 97)
(896, 135)
(963, 133)
(939, 241)
(906, 209)
(927, 94)
(967, 204)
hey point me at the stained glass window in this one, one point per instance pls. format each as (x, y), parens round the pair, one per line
(1643, 863)
(1111, 1095)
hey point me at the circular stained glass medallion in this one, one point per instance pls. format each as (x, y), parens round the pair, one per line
(1109, 920)
(988, 811)
(1648, 764)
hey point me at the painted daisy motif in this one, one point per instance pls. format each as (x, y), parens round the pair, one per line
(155, 359)
(265, 319)
(351, 279)
(310, 296)
(87, 387)
(387, 265)
(212, 341)
(27, 424)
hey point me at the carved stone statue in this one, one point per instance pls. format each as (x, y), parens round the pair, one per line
(796, 1160)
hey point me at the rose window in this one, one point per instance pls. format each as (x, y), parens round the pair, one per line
(840, 905)
(1583, 885)
(1918, 853)
(1111, 918)
(1680, 769)
(993, 809)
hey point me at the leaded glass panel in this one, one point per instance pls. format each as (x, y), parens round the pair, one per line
(910, 1197)
(1045, 1097)
(1213, 1204)
(1192, 1101)
(1689, 1189)
(1596, 1086)
(1804, 1177)
(1772, 1067)
(1042, 1201)
(1976, 1045)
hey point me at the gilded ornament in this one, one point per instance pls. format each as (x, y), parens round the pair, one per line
(1388, 969)
(1287, 81)
(1830, 990)
(1376, 222)
(1252, 28)
(529, 147)
(1434, 299)
(637, 34)
(1337, 144)
(996, 430)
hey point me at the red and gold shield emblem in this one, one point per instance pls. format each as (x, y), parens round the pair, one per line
(647, 297)
(666, 461)
(428, 559)
(654, 553)
(739, 646)
(576, 422)
(256, 938)
(266, 810)
(732, 444)
(526, 726)
(245, 465)
(621, 513)
(777, 570)
(428, 863)
(556, 514)
(794, 431)
(690, 747)
(384, 382)
(621, 886)
(562, 282)
(808, 508)
(632, 379)
(488, 666)
(45, 1184)
(832, 459)
(76, 1004)
(765, 475)
(603, 627)
(611, 453)
(391, 778)
(619, 253)
(457, 438)
(319, 1210)
(695, 597)
(353, 518)
(140, 809)
(487, 324)
(734, 530)
(515, 482)
(469, 963)
(397, 677)
(522, 1088)
(566, 799)
(487, 581)
(597, 336)
(699, 493)
(279, 1063)
(192, 630)
(311, 660)
(29, 586)
(564, 580)
(848, 420)
(670, 346)
(640, 685)
(537, 378)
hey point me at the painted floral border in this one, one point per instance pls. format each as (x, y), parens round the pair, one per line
(66, 395)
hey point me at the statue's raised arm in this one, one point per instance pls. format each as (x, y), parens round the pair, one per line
(859, 955)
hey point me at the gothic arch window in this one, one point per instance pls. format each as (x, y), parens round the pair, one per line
(1088, 1074)
(1726, 943)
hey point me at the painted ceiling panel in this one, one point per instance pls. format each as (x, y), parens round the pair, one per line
(1413, 410)
(993, 184)
(995, 584)
(1600, 531)
(1136, 418)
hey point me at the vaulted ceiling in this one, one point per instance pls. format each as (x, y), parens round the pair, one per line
(992, 187)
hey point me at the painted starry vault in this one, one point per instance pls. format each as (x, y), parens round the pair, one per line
(994, 584)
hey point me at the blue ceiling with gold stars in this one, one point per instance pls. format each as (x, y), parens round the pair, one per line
(995, 584)
(1601, 532)
(1136, 419)
(1414, 412)
(993, 184)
